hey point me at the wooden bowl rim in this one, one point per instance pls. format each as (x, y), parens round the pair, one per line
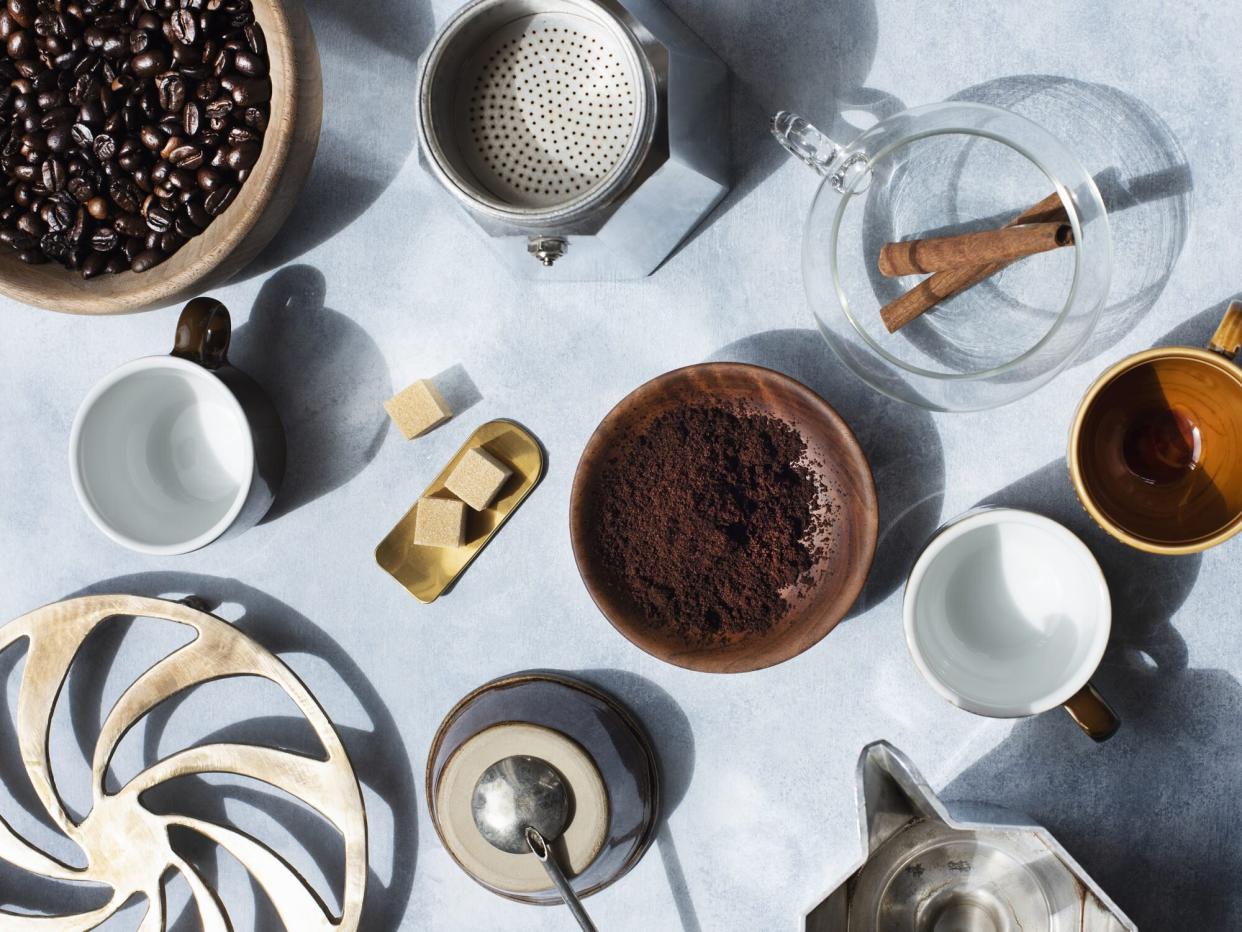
(709, 660)
(151, 293)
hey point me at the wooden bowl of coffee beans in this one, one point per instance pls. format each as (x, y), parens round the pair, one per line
(149, 149)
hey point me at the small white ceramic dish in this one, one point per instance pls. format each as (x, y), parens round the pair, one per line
(521, 873)
(1007, 613)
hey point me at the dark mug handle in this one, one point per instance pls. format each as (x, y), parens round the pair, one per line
(203, 332)
(1092, 713)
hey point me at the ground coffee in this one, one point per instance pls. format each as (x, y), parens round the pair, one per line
(707, 517)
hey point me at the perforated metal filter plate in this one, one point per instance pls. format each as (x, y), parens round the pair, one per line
(547, 107)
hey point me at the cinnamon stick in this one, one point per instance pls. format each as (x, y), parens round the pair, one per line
(942, 253)
(943, 285)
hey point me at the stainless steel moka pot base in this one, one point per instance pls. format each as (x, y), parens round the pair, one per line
(585, 137)
(968, 868)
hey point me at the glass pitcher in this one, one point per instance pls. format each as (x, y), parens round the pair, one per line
(939, 170)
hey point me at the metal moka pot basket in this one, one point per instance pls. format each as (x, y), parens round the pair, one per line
(963, 867)
(585, 137)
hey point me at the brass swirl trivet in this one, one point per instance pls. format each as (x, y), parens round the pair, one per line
(126, 845)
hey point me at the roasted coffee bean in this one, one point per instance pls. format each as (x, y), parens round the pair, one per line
(190, 119)
(54, 246)
(94, 264)
(132, 159)
(21, 45)
(81, 188)
(252, 91)
(98, 207)
(130, 225)
(159, 219)
(83, 135)
(59, 138)
(153, 138)
(77, 232)
(171, 88)
(219, 108)
(256, 118)
(249, 63)
(255, 39)
(23, 12)
(31, 224)
(218, 201)
(243, 156)
(149, 63)
(114, 46)
(53, 175)
(240, 134)
(125, 195)
(15, 239)
(147, 259)
(208, 89)
(186, 227)
(104, 239)
(105, 147)
(58, 215)
(184, 26)
(190, 157)
(209, 179)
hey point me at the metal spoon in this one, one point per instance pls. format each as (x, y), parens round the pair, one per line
(520, 805)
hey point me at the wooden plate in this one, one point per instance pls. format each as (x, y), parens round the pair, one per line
(426, 572)
(833, 454)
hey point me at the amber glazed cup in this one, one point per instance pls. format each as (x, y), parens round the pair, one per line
(1155, 453)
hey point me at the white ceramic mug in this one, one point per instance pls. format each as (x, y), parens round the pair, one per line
(167, 453)
(1007, 614)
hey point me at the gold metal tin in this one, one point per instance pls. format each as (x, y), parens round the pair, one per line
(427, 572)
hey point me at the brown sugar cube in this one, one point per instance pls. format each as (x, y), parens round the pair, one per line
(418, 409)
(440, 522)
(477, 478)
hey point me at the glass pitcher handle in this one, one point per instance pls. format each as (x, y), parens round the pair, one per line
(806, 143)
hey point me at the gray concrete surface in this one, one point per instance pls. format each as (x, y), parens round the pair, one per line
(378, 281)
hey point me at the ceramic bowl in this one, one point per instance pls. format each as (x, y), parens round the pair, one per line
(598, 747)
(238, 234)
(833, 454)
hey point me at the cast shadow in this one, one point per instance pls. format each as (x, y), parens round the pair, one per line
(327, 378)
(1197, 331)
(670, 733)
(791, 55)
(1140, 812)
(377, 752)
(900, 440)
(457, 389)
(368, 120)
